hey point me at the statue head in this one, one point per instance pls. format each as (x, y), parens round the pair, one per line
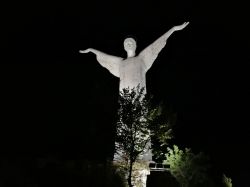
(130, 46)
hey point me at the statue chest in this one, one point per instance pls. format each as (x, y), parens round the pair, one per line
(132, 68)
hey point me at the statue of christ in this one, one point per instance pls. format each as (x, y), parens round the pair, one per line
(132, 70)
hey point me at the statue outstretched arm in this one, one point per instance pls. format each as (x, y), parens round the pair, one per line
(150, 53)
(110, 62)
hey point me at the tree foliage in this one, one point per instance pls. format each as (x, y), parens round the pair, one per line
(132, 131)
(188, 168)
(161, 131)
(227, 181)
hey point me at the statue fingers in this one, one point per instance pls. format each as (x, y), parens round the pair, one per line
(84, 51)
(185, 24)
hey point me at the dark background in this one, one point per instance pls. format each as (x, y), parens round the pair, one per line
(56, 101)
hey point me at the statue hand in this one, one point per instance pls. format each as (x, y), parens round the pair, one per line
(85, 51)
(180, 27)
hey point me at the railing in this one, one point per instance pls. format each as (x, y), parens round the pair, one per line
(158, 167)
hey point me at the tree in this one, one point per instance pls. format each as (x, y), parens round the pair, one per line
(161, 130)
(138, 121)
(188, 168)
(227, 181)
(132, 132)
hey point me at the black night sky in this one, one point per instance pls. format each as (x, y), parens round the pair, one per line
(56, 101)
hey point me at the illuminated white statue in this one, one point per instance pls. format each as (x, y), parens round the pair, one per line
(132, 70)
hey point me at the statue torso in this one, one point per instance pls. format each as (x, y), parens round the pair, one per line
(132, 72)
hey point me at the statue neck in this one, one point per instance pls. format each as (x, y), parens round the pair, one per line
(130, 54)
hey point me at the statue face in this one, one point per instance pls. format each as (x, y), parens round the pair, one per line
(129, 44)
